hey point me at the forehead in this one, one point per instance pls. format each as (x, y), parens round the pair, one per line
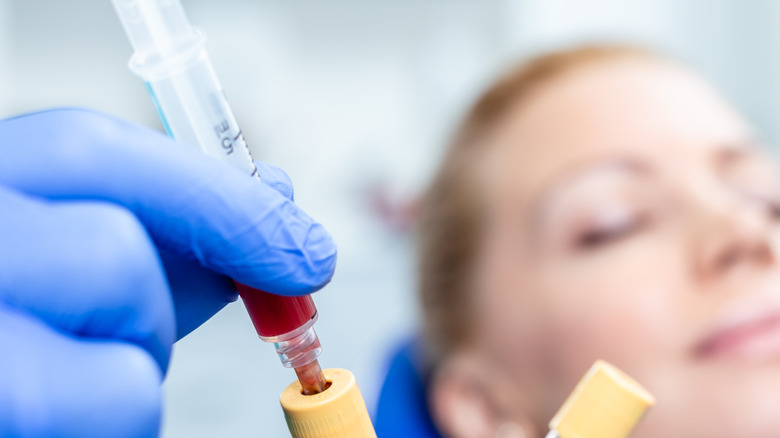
(632, 106)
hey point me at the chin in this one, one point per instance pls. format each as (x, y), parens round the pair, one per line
(718, 399)
(693, 426)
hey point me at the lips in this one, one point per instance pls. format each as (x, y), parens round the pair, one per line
(745, 334)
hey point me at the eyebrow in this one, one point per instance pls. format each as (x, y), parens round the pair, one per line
(726, 154)
(629, 164)
(734, 152)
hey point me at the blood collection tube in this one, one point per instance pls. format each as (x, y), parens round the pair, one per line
(170, 56)
(606, 403)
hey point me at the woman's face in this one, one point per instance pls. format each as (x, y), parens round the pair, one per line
(632, 216)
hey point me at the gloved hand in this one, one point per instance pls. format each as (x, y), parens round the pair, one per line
(115, 241)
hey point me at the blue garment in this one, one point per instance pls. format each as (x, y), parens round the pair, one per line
(402, 411)
(115, 241)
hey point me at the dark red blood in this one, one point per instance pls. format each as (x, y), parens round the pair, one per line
(312, 378)
(275, 315)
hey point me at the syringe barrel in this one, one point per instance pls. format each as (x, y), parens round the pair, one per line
(278, 317)
(193, 107)
(286, 322)
(171, 58)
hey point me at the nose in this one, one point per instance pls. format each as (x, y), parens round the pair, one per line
(734, 232)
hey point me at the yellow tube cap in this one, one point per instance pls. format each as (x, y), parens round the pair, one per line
(606, 403)
(337, 412)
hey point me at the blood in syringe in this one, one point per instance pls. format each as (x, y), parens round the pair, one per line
(276, 315)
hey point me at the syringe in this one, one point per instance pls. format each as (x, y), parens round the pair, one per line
(170, 57)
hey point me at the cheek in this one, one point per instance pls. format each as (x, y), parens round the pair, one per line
(625, 307)
(549, 318)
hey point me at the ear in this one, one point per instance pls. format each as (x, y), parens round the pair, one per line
(458, 401)
(464, 402)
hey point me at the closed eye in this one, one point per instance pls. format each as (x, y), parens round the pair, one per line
(600, 236)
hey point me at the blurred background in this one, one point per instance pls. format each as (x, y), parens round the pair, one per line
(355, 100)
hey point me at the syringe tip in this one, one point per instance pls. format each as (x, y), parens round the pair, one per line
(312, 378)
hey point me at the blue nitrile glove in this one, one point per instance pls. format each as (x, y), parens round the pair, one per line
(89, 205)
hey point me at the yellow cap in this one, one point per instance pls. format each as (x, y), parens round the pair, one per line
(337, 412)
(606, 403)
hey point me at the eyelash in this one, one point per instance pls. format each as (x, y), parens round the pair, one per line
(598, 237)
